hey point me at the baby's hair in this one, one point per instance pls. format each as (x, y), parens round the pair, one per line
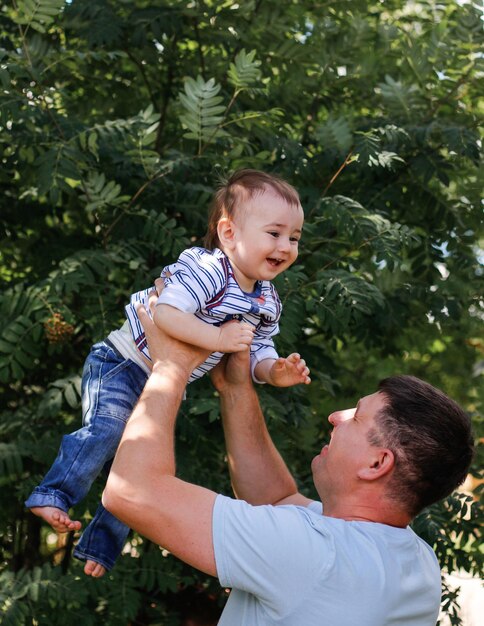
(242, 186)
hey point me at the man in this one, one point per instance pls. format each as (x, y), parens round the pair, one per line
(287, 562)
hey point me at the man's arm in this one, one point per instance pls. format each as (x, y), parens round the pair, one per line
(258, 472)
(142, 489)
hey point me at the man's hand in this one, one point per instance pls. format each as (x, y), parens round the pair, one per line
(166, 349)
(235, 337)
(286, 372)
(233, 371)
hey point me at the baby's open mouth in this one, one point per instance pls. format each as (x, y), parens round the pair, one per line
(274, 262)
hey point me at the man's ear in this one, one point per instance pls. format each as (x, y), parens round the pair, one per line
(226, 233)
(380, 463)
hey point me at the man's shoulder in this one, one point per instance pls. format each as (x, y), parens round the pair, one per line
(289, 513)
(287, 527)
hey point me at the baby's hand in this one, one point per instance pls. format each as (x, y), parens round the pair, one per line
(289, 371)
(235, 337)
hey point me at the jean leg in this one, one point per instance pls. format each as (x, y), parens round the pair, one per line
(111, 387)
(103, 539)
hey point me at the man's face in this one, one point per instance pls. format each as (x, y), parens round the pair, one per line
(335, 468)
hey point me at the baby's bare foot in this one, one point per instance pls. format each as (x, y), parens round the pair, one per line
(94, 569)
(57, 518)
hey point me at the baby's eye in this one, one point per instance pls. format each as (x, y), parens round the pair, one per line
(274, 233)
(293, 239)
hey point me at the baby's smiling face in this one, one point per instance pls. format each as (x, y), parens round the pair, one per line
(262, 239)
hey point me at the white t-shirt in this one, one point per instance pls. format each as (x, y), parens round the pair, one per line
(292, 566)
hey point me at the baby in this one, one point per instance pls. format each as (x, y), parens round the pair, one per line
(219, 298)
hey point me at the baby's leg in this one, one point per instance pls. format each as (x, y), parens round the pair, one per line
(111, 386)
(57, 518)
(101, 542)
(83, 453)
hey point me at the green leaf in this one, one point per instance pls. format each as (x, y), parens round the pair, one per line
(398, 97)
(244, 71)
(335, 133)
(10, 460)
(37, 14)
(100, 195)
(202, 109)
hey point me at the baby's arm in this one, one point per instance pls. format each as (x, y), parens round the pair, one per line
(230, 337)
(283, 372)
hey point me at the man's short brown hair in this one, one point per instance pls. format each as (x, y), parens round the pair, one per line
(430, 436)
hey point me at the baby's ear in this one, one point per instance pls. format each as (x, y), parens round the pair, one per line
(226, 232)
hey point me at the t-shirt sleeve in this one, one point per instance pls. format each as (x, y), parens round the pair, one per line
(266, 550)
(193, 280)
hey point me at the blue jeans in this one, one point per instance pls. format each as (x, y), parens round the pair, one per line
(111, 386)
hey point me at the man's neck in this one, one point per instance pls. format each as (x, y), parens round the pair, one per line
(382, 512)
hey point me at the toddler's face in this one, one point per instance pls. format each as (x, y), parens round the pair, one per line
(266, 233)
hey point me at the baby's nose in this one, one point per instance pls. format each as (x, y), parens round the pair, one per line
(283, 243)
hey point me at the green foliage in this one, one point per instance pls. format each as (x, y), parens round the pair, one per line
(38, 593)
(99, 194)
(116, 121)
(37, 14)
(63, 390)
(202, 109)
(21, 333)
(345, 301)
(10, 460)
(244, 71)
(449, 526)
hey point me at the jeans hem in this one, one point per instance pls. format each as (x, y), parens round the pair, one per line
(46, 499)
(84, 556)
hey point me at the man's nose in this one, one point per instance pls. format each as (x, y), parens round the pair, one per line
(341, 416)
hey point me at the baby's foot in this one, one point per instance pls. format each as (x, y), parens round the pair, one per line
(94, 569)
(57, 518)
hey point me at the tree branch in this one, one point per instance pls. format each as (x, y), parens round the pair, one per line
(139, 65)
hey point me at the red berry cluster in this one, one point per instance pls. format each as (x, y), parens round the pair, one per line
(57, 330)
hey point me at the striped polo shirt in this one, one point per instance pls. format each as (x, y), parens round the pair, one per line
(202, 282)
